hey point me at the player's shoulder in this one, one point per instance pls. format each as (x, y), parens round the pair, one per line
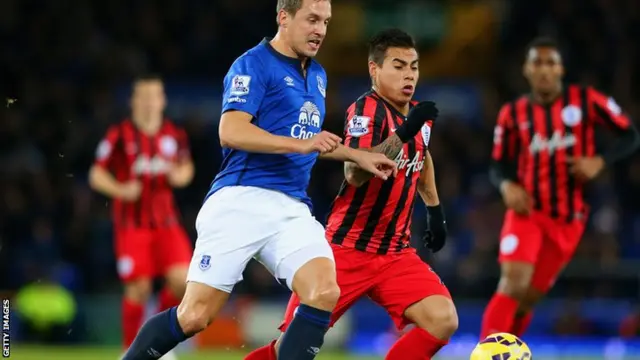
(119, 125)
(369, 97)
(252, 59)
(170, 127)
(317, 68)
(587, 90)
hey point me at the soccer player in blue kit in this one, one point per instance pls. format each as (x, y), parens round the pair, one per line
(257, 207)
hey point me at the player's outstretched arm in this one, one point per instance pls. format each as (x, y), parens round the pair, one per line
(390, 147)
(237, 132)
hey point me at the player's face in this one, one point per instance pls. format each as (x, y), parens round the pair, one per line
(543, 69)
(148, 99)
(398, 76)
(308, 27)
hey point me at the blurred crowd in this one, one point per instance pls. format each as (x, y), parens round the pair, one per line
(61, 62)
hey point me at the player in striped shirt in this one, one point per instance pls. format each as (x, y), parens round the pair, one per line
(369, 224)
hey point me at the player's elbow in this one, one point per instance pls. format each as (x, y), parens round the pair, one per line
(232, 129)
(352, 177)
(227, 139)
(94, 177)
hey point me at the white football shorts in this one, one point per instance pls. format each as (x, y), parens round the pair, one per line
(238, 223)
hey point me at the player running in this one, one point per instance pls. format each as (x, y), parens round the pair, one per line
(137, 164)
(270, 129)
(369, 223)
(544, 152)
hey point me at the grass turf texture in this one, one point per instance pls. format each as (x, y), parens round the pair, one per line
(30, 352)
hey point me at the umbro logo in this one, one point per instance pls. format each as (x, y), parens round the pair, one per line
(289, 81)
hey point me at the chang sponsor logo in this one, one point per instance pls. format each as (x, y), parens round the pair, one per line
(308, 123)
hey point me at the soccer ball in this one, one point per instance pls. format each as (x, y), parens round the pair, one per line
(501, 346)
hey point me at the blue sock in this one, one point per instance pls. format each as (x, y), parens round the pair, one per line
(305, 335)
(159, 335)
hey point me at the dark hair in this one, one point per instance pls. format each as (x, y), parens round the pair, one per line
(543, 42)
(290, 6)
(146, 78)
(389, 38)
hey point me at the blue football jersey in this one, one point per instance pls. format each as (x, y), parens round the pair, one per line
(283, 101)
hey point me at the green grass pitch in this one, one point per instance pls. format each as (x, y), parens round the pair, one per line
(30, 352)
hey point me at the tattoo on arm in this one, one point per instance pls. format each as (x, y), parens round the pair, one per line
(390, 147)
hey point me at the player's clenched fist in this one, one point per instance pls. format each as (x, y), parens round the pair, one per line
(324, 142)
(377, 164)
(516, 197)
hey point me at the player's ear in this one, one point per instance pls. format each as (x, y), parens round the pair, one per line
(526, 72)
(373, 69)
(283, 18)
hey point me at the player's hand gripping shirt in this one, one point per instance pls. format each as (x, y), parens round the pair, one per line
(376, 217)
(272, 88)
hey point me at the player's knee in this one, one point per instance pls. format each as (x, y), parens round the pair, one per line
(315, 284)
(515, 288)
(446, 325)
(176, 281)
(437, 315)
(323, 296)
(530, 300)
(138, 291)
(515, 280)
(193, 317)
(200, 305)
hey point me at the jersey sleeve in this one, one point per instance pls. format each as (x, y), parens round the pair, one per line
(505, 146)
(245, 85)
(364, 122)
(107, 147)
(605, 111)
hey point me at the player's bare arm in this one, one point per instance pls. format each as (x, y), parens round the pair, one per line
(101, 180)
(390, 148)
(427, 184)
(374, 164)
(237, 132)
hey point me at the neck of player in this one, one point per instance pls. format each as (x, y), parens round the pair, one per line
(147, 125)
(547, 97)
(402, 108)
(281, 46)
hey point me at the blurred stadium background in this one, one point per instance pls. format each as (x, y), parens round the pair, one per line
(66, 68)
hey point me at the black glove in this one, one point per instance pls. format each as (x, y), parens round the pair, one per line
(436, 235)
(418, 115)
